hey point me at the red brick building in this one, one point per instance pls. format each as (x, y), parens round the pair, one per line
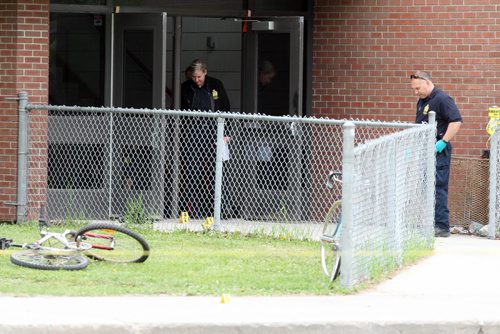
(24, 66)
(363, 55)
(356, 61)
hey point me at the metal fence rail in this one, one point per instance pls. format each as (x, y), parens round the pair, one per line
(269, 177)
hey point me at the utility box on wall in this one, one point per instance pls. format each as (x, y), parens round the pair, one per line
(468, 191)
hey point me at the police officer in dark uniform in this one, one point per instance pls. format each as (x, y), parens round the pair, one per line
(200, 93)
(448, 120)
(203, 92)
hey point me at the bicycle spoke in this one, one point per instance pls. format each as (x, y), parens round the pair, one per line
(330, 241)
(35, 259)
(113, 243)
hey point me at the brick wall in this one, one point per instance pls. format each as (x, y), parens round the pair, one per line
(24, 61)
(364, 52)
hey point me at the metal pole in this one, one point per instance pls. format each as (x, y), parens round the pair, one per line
(492, 217)
(22, 158)
(393, 220)
(218, 173)
(163, 60)
(347, 207)
(176, 154)
(431, 179)
(111, 101)
(177, 62)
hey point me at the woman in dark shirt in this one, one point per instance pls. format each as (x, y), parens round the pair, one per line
(198, 139)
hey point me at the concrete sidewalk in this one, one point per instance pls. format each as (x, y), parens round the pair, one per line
(454, 291)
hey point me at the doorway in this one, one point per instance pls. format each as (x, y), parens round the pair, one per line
(273, 85)
(274, 46)
(138, 67)
(126, 60)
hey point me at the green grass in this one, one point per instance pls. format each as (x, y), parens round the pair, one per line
(181, 263)
(188, 263)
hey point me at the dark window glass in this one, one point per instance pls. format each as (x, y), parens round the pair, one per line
(138, 69)
(135, 165)
(281, 5)
(76, 166)
(77, 59)
(79, 2)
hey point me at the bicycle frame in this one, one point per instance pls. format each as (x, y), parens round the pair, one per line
(333, 177)
(102, 236)
(67, 246)
(330, 238)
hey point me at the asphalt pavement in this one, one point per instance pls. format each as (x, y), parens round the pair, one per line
(456, 290)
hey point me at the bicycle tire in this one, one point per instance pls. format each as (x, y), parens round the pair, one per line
(113, 243)
(32, 258)
(330, 241)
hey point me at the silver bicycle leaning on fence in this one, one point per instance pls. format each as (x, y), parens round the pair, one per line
(70, 250)
(332, 230)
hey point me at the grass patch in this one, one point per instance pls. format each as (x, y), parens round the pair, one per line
(188, 264)
(181, 263)
(387, 263)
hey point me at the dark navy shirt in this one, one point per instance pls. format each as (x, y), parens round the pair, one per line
(211, 96)
(202, 100)
(444, 106)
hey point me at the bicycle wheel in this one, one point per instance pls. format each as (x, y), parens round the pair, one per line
(113, 243)
(35, 259)
(330, 241)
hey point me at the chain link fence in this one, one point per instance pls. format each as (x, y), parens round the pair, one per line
(251, 173)
(468, 193)
(388, 202)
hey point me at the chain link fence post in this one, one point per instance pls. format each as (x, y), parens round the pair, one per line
(492, 217)
(346, 248)
(431, 181)
(394, 223)
(22, 158)
(218, 173)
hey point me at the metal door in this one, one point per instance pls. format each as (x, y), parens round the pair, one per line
(137, 150)
(277, 42)
(274, 150)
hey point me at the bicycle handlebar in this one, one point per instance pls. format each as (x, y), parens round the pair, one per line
(5, 243)
(333, 176)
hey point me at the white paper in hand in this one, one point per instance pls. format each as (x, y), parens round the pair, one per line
(225, 152)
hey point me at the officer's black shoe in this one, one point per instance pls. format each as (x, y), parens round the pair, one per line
(441, 233)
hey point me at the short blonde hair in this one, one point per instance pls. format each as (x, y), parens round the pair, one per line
(197, 65)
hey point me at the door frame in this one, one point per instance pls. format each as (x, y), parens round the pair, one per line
(118, 196)
(157, 22)
(291, 25)
(265, 132)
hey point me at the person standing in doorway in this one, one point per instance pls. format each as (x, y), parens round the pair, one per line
(203, 92)
(198, 134)
(448, 120)
(264, 90)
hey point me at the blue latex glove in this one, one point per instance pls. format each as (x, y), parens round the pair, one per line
(440, 146)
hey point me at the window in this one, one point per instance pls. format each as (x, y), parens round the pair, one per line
(76, 166)
(77, 59)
